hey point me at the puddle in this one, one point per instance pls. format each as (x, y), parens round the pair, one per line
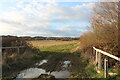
(36, 72)
(31, 73)
(61, 74)
(66, 64)
(41, 62)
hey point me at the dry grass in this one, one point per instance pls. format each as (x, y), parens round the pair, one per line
(44, 43)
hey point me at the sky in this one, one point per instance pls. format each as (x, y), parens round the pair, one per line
(39, 18)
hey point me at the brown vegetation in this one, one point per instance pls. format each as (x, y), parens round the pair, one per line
(104, 26)
(11, 54)
(104, 32)
(44, 43)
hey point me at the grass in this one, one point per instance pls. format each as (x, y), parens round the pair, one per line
(61, 48)
(54, 54)
(91, 70)
(63, 52)
(13, 68)
(46, 43)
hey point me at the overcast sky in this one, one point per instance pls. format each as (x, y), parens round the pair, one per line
(37, 18)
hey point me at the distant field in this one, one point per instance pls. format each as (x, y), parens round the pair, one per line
(44, 43)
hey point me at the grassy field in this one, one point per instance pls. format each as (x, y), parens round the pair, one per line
(47, 49)
(57, 51)
(46, 43)
(54, 52)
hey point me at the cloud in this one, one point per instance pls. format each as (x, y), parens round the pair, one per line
(7, 28)
(13, 17)
(72, 28)
(35, 18)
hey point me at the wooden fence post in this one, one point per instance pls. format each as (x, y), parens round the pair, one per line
(105, 68)
(96, 57)
(99, 61)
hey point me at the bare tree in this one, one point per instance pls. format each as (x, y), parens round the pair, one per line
(105, 23)
(104, 26)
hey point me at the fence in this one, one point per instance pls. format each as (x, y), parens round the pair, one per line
(18, 48)
(99, 60)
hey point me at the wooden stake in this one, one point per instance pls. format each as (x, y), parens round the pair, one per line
(96, 57)
(105, 68)
(99, 61)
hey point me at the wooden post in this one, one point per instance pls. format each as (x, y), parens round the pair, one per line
(94, 53)
(96, 57)
(99, 61)
(105, 68)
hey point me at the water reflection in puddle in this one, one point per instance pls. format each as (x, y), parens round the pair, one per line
(31, 73)
(66, 64)
(42, 62)
(61, 74)
(36, 72)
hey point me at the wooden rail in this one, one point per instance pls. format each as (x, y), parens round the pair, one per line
(99, 60)
(11, 47)
(107, 54)
(17, 47)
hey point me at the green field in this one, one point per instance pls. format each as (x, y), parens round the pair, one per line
(56, 51)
